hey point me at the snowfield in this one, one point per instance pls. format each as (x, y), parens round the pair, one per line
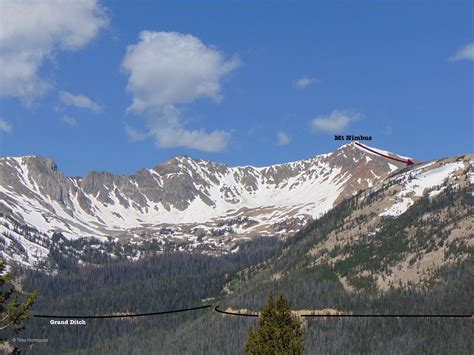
(417, 181)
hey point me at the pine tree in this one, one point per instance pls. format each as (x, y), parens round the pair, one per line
(278, 331)
(14, 308)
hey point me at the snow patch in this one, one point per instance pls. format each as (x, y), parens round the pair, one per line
(416, 182)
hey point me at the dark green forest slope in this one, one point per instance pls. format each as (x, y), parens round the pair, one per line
(243, 280)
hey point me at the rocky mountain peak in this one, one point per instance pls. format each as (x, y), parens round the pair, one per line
(194, 196)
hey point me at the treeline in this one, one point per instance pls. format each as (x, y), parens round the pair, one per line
(390, 244)
(318, 286)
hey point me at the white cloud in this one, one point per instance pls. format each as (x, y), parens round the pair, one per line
(33, 31)
(80, 101)
(5, 126)
(465, 53)
(283, 138)
(71, 121)
(215, 141)
(167, 131)
(172, 68)
(135, 135)
(166, 69)
(335, 122)
(304, 82)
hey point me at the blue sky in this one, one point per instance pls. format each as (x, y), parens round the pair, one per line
(111, 86)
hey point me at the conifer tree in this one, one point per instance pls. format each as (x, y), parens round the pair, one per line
(278, 331)
(14, 308)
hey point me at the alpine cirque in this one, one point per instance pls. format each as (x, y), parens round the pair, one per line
(192, 204)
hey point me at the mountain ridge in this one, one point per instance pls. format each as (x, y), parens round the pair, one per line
(192, 204)
(200, 177)
(181, 157)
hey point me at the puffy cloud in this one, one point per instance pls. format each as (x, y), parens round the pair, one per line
(169, 137)
(167, 131)
(79, 101)
(32, 31)
(71, 121)
(283, 138)
(5, 126)
(173, 68)
(167, 69)
(304, 82)
(465, 53)
(335, 122)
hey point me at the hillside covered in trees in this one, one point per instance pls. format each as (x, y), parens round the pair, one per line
(345, 281)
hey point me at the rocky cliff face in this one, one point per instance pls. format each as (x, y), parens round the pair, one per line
(187, 198)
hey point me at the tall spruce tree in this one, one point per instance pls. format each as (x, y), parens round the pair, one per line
(14, 309)
(278, 331)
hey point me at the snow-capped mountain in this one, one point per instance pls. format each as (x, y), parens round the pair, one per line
(411, 224)
(185, 202)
